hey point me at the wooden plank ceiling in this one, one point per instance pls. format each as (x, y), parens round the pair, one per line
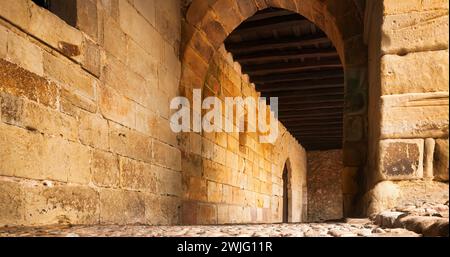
(287, 56)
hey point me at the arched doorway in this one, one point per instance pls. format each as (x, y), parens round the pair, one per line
(209, 23)
(286, 187)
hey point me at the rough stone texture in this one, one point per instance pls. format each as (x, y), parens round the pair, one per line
(84, 130)
(414, 115)
(401, 159)
(410, 74)
(358, 228)
(325, 170)
(441, 160)
(80, 109)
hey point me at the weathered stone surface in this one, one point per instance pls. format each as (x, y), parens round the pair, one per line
(20, 82)
(135, 175)
(105, 169)
(401, 158)
(417, 192)
(91, 57)
(61, 204)
(71, 103)
(325, 185)
(130, 143)
(3, 42)
(116, 107)
(11, 203)
(166, 155)
(41, 157)
(428, 158)
(55, 32)
(32, 116)
(162, 210)
(115, 40)
(25, 54)
(169, 182)
(382, 197)
(87, 17)
(93, 130)
(147, 9)
(121, 207)
(415, 32)
(414, 115)
(412, 74)
(69, 74)
(441, 160)
(16, 12)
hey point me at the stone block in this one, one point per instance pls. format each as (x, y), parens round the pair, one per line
(130, 143)
(121, 207)
(20, 82)
(415, 32)
(69, 74)
(25, 54)
(41, 157)
(91, 57)
(32, 116)
(428, 158)
(137, 27)
(195, 188)
(93, 130)
(406, 6)
(16, 12)
(55, 32)
(140, 61)
(12, 204)
(414, 115)
(60, 204)
(105, 169)
(441, 160)
(207, 214)
(116, 107)
(87, 18)
(72, 103)
(415, 73)
(166, 156)
(162, 210)
(3, 42)
(169, 182)
(189, 213)
(147, 9)
(168, 20)
(401, 159)
(214, 192)
(135, 175)
(115, 41)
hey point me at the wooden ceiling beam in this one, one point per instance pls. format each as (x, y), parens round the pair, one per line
(271, 68)
(270, 44)
(298, 76)
(270, 56)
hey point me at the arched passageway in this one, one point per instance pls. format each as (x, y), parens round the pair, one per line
(312, 56)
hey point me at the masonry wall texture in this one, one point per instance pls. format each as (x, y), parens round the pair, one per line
(325, 169)
(85, 134)
(408, 60)
(231, 177)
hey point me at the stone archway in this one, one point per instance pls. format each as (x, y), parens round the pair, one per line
(208, 23)
(287, 193)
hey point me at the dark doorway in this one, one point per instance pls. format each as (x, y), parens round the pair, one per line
(285, 195)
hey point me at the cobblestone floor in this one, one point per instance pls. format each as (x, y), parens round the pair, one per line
(352, 228)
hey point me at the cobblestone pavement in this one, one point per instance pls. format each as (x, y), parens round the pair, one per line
(352, 228)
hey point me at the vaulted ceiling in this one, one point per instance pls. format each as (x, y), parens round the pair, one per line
(287, 56)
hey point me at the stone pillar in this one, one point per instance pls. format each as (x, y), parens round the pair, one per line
(408, 96)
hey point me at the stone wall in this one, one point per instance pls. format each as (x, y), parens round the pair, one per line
(408, 63)
(325, 169)
(84, 131)
(232, 177)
